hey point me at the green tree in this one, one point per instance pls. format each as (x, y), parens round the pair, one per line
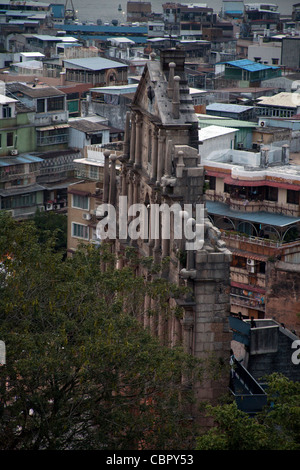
(49, 223)
(277, 427)
(81, 373)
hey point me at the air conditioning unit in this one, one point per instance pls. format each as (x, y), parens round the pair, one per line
(41, 208)
(49, 206)
(14, 152)
(262, 123)
(251, 265)
(86, 216)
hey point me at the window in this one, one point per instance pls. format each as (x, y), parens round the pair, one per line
(80, 231)
(94, 172)
(292, 197)
(212, 182)
(96, 139)
(56, 103)
(80, 202)
(271, 194)
(275, 61)
(22, 200)
(40, 106)
(6, 111)
(10, 139)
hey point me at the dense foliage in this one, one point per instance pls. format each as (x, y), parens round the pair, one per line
(80, 372)
(277, 427)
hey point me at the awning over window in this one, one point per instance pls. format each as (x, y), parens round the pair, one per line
(21, 190)
(51, 128)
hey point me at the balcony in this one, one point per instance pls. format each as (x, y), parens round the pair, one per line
(52, 139)
(243, 301)
(240, 203)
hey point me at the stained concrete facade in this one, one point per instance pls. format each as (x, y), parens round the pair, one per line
(161, 165)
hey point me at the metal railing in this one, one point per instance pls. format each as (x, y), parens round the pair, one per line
(243, 301)
(250, 397)
(52, 139)
(253, 205)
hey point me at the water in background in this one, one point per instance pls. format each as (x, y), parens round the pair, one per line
(91, 10)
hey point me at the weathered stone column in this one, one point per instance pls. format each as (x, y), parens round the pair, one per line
(187, 332)
(106, 176)
(113, 187)
(154, 154)
(124, 186)
(168, 158)
(132, 140)
(160, 156)
(138, 149)
(170, 88)
(126, 148)
(176, 98)
(130, 189)
(135, 189)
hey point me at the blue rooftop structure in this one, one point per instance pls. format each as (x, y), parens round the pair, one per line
(249, 65)
(246, 70)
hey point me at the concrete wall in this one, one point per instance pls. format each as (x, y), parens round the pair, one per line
(216, 143)
(283, 293)
(266, 53)
(280, 361)
(290, 52)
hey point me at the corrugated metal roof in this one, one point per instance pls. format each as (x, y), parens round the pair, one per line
(85, 125)
(94, 63)
(286, 99)
(228, 107)
(266, 218)
(249, 65)
(211, 132)
(226, 122)
(34, 92)
(116, 89)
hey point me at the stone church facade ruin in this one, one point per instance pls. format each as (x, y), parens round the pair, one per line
(161, 165)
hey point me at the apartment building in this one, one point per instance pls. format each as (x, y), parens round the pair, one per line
(50, 112)
(98, 71)
(19, 191)
(84, 196)
(253, 198)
